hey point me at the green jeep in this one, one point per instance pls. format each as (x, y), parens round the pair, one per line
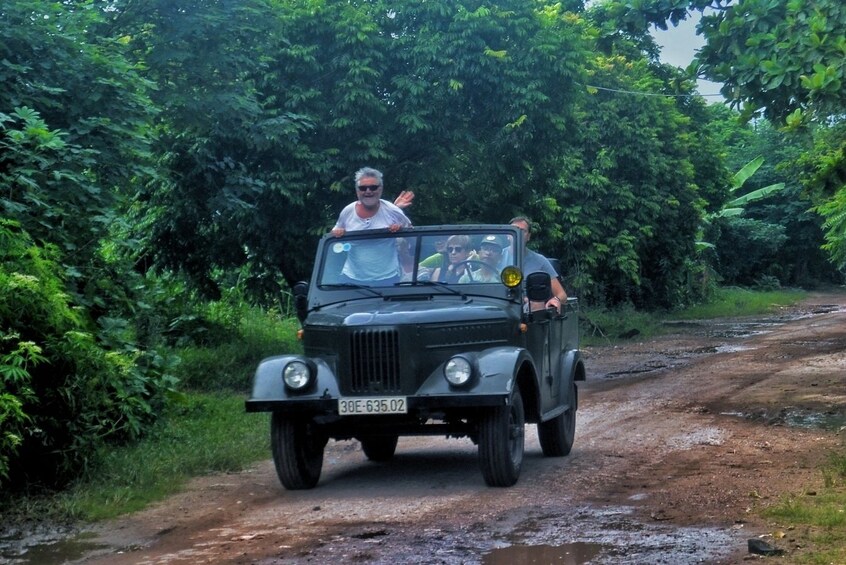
(408, 355)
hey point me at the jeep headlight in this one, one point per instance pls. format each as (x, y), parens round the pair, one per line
(297, 374)
(458, 371)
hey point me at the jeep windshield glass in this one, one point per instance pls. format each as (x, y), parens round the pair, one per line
(406, 259)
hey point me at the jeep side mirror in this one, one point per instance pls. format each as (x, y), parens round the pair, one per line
(301, 300)
(538, 287)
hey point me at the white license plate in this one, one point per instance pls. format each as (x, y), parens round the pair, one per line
(374, 405)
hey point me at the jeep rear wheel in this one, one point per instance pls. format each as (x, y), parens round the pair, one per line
(297, 452)
(501, 442)
(379, 448)
(556, 436)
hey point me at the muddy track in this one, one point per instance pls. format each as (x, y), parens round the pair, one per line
(679, 441)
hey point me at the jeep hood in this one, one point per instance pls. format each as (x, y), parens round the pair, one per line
(391, 313)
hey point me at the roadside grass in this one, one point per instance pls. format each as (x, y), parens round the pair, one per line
(606, 326)
(734, 301)
(205, 430)
(205, 433)
(817, 520)
(229, 365)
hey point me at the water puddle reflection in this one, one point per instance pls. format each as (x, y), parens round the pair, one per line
(832, 420)
(43, 549)
(576, 553)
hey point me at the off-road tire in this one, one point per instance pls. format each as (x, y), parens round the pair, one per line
(502, 436)
(379, 448)
(297, 452)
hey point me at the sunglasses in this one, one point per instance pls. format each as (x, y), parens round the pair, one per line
(457, 249)
(369, 188)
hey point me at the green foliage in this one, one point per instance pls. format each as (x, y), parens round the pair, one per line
(74, 125)
(735, 206)
(64, 391)
(824, 168)
(781, 57)
(630, 199)
(820, 515)
(736, 301)
(226, 361)
(785, 59)
(272, 106)
(203, 434)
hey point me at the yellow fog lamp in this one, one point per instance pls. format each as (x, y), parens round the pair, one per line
(511, 276)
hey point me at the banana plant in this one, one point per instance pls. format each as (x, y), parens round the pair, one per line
(735, 207)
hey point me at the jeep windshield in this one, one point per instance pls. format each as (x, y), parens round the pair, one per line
(432, 257)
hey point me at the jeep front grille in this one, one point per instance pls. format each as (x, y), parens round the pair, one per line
(374, 361)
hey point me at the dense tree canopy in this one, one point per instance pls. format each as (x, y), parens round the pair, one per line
(213, 142)
(785, 59)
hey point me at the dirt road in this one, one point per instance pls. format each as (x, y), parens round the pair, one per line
(679, 441)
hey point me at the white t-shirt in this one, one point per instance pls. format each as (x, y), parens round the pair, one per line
(372, 260)
(387, 214)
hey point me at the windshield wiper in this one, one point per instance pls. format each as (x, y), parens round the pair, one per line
(353, 286)
(438, 284)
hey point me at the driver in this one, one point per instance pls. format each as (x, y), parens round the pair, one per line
(490, 254)
(458, 250)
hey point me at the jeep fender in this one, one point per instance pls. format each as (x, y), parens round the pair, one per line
(495, 372)
(268, 383)
(572, 369)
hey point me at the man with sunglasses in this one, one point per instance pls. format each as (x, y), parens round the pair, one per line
(376, 260)
(458, 250)
(370, 211)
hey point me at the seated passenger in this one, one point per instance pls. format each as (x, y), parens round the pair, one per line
(405, 255)
(458, 250)
(533, 262)
(490, 254)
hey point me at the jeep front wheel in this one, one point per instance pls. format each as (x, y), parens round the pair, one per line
(501, 442)
(297, 452)
(379, 448)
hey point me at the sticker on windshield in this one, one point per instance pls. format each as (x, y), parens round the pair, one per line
(340, 247)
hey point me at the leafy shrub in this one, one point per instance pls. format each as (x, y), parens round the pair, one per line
(68, 386)
(229, 364)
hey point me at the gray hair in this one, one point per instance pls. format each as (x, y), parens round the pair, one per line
(523, 219)
(368, 172)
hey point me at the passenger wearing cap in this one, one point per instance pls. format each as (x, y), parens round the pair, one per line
(490, 253)
(534, 262)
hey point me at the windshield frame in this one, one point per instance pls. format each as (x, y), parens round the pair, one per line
(329, 284)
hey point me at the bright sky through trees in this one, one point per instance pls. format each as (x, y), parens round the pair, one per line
(679, 45)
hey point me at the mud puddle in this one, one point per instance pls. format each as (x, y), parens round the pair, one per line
(47, 546)
(830, 420)
(610, 535)
(731, 329)
(570, 535)
(575, 553)
(724, 337)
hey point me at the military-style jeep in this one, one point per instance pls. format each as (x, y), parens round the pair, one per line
(408, 355)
